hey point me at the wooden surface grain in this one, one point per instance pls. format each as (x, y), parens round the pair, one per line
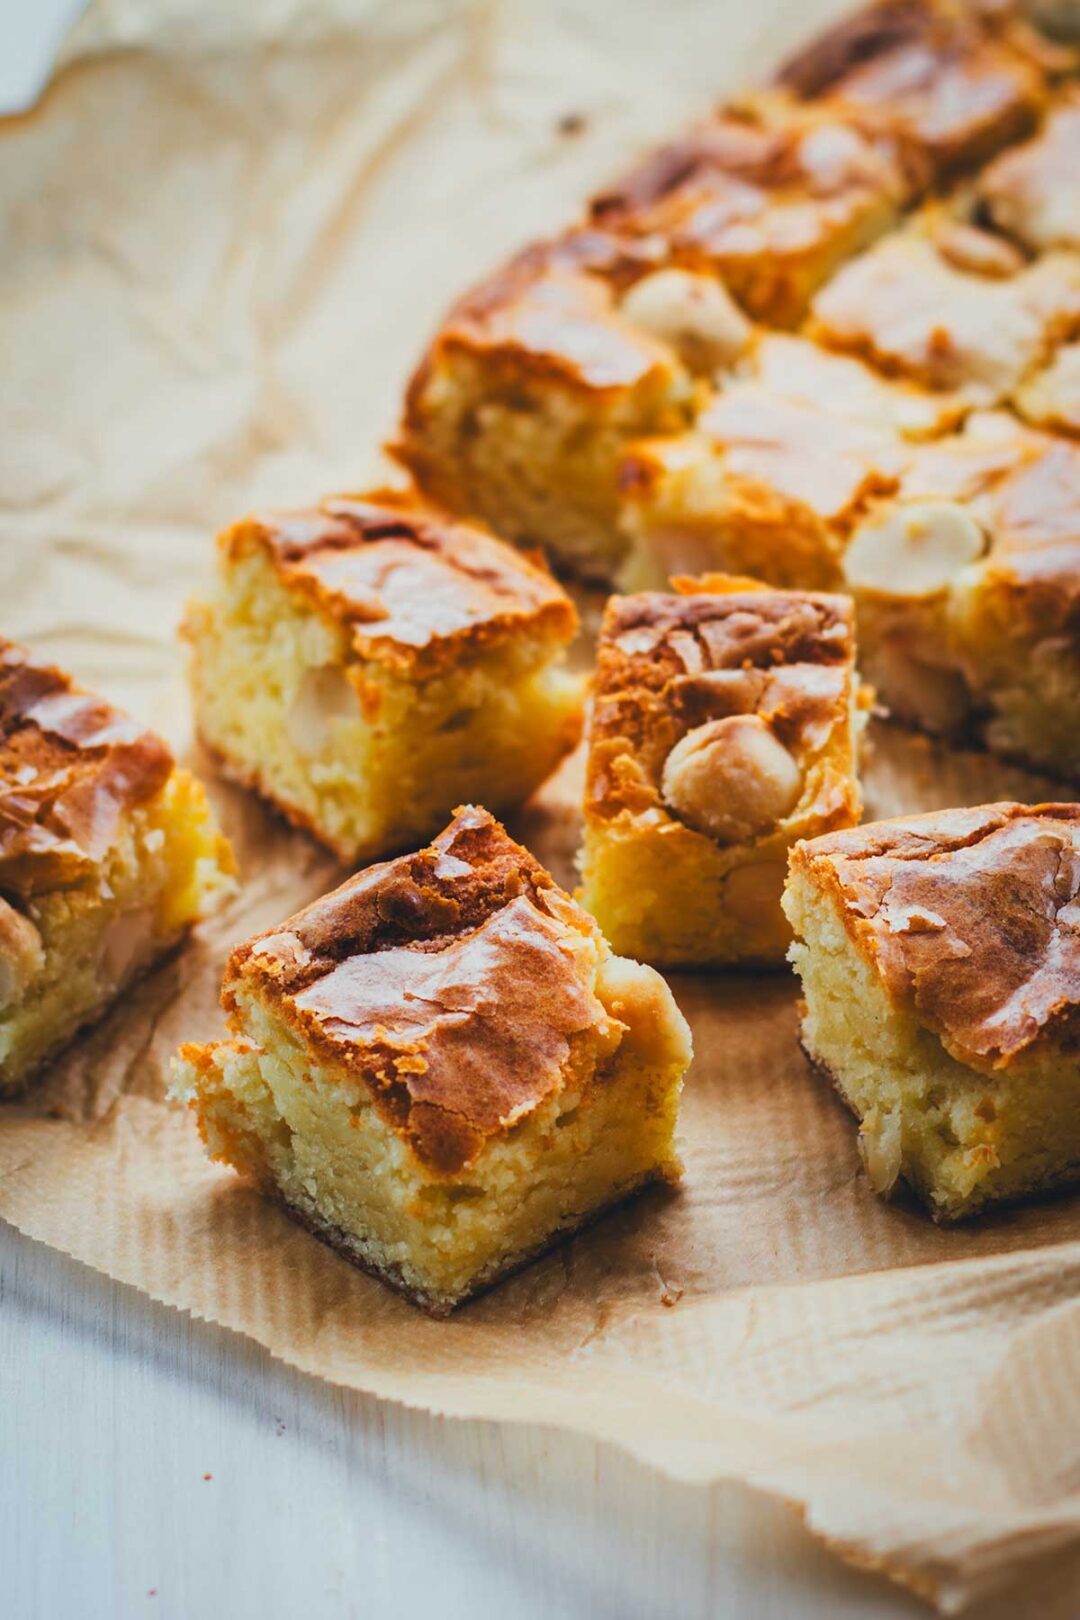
(154, 1465)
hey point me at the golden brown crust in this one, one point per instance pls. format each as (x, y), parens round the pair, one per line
(767, 196)
(70, 766)
(953, 82)
(1034, 191)
(668, 663)
(448, 983)
(550, 313)
(970, 917)
(908, 307)
(1023, 488)
(829, 463)
(416, 588)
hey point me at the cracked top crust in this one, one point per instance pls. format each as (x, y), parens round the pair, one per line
(909, 307)
(970, 917)
(1034, 191)
(551, 313)
(415, 587)
(757, 193)
(1023, 489)
(450, 983)
(70, 766)
(669, 663)
(950, 79)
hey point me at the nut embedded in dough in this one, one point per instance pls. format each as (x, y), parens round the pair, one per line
(913, 549)
(731, 778)
(695, 314)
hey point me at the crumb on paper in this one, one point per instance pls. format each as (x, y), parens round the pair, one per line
(572, 123)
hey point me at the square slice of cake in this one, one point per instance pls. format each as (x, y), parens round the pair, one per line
(723, 729)
(767, 198)
(967, 589)
(108, 856)
(441, 1069)
(940, 965)
(1033, 192)
(952, 81)
(367, 664)
(952, 307)
(790, 452)
(521, 406)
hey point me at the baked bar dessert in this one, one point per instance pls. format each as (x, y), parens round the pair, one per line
(525, 403)
(520, 408)
(951, 306)
(767, 197)
(441, 1069)
(967, 586)
(366, 663)
(940, 965)
(1033, 192)
(108, 856)
(723, 729)
(951, 81)
(778, 468)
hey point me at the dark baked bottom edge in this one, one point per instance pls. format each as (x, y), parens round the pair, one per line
(436, 1305)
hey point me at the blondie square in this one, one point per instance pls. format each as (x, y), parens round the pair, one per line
(940, 964)
(108, 856)
(441, 1069)
(724, 728)
(365, 664)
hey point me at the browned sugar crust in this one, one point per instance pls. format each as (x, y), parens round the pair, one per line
(447, 983)
(969, 916)
(436, 1305)
(1033, 191)
(70, 766)
(667, 663)
(952, 82)
(760, 187)
(550, 313)
(1023, 488)
(415, 587)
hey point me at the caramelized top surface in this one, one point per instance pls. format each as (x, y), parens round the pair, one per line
(668, 663)
(970, 917)
(70, 765)
(415, 587)
(953, 80)
(450, 983)
(1033, 192)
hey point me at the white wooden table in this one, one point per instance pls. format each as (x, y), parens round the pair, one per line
(154, 1465)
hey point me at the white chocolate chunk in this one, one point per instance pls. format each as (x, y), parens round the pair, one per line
(914, 549)
(881, 1149)
(324, 696)
(695, 314)
(731, 779)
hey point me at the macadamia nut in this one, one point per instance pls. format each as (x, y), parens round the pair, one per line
(731, 779)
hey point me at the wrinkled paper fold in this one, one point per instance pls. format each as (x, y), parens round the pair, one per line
(226, 233)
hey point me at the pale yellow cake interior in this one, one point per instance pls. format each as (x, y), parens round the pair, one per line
(309, 1133)
(536, 459)
(66, 953)
(961, 1137)
(370, 758)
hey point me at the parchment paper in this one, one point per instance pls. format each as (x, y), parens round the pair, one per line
(223, 236)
